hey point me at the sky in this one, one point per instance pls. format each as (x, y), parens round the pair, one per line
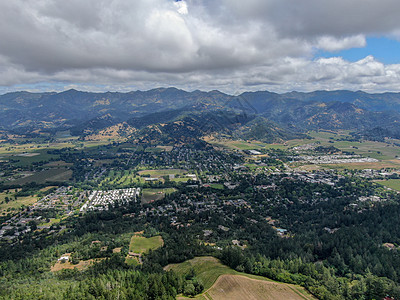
(228, 45)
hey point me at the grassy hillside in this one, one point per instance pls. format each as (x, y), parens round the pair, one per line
(222, 282)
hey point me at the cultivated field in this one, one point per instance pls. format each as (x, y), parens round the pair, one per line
(56, 174)
(207, 269)
(27, 158)
(222, 282)
(387, 153)
(238, 287)
(58, 163)
(365, 165)
(244, 145)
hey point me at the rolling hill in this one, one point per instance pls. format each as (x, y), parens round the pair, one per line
(222, 282)
(165, 111)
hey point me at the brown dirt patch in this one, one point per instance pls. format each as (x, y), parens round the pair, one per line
(237, 287)
(83, 264)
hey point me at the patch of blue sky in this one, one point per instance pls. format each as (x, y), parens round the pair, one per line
(382, 49)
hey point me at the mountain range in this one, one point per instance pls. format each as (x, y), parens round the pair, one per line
(174, 114)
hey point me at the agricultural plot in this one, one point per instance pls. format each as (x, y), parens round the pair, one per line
(378, 150)
(386, 153)
(207, 269)
(243, 145)
(222, 282)
(53, 175)
(365, 165)
(58, 163)
(41, 146)
(237, 287)
(24, 159)
(150, 195)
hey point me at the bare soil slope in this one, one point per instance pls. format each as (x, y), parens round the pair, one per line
(237, 287)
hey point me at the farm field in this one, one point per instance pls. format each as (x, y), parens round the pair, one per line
(244, 145)
(390, 183)
(238, 287)
(387, 153)
(207, 269)
(216, 276)
(27, 158)
(378, 150)
(55, 174)
(150, 195)
(141, 244)
(58, 163)
(364, 165)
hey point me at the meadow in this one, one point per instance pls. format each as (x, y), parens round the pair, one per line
(140, 244)
(393, 184)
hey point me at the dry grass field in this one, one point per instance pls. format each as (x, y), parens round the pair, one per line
(82, 265)
(221, 282)
(238, 287)
(15, 204)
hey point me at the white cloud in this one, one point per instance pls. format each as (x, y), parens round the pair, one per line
(182, 7)
(229, 45)
(331, 43)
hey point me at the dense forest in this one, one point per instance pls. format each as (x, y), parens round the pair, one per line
(349, 264)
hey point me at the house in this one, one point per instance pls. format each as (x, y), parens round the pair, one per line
(254, 152)
(64, 258)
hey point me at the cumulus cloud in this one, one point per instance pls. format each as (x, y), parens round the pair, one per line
(330, 43)
(229, 44)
